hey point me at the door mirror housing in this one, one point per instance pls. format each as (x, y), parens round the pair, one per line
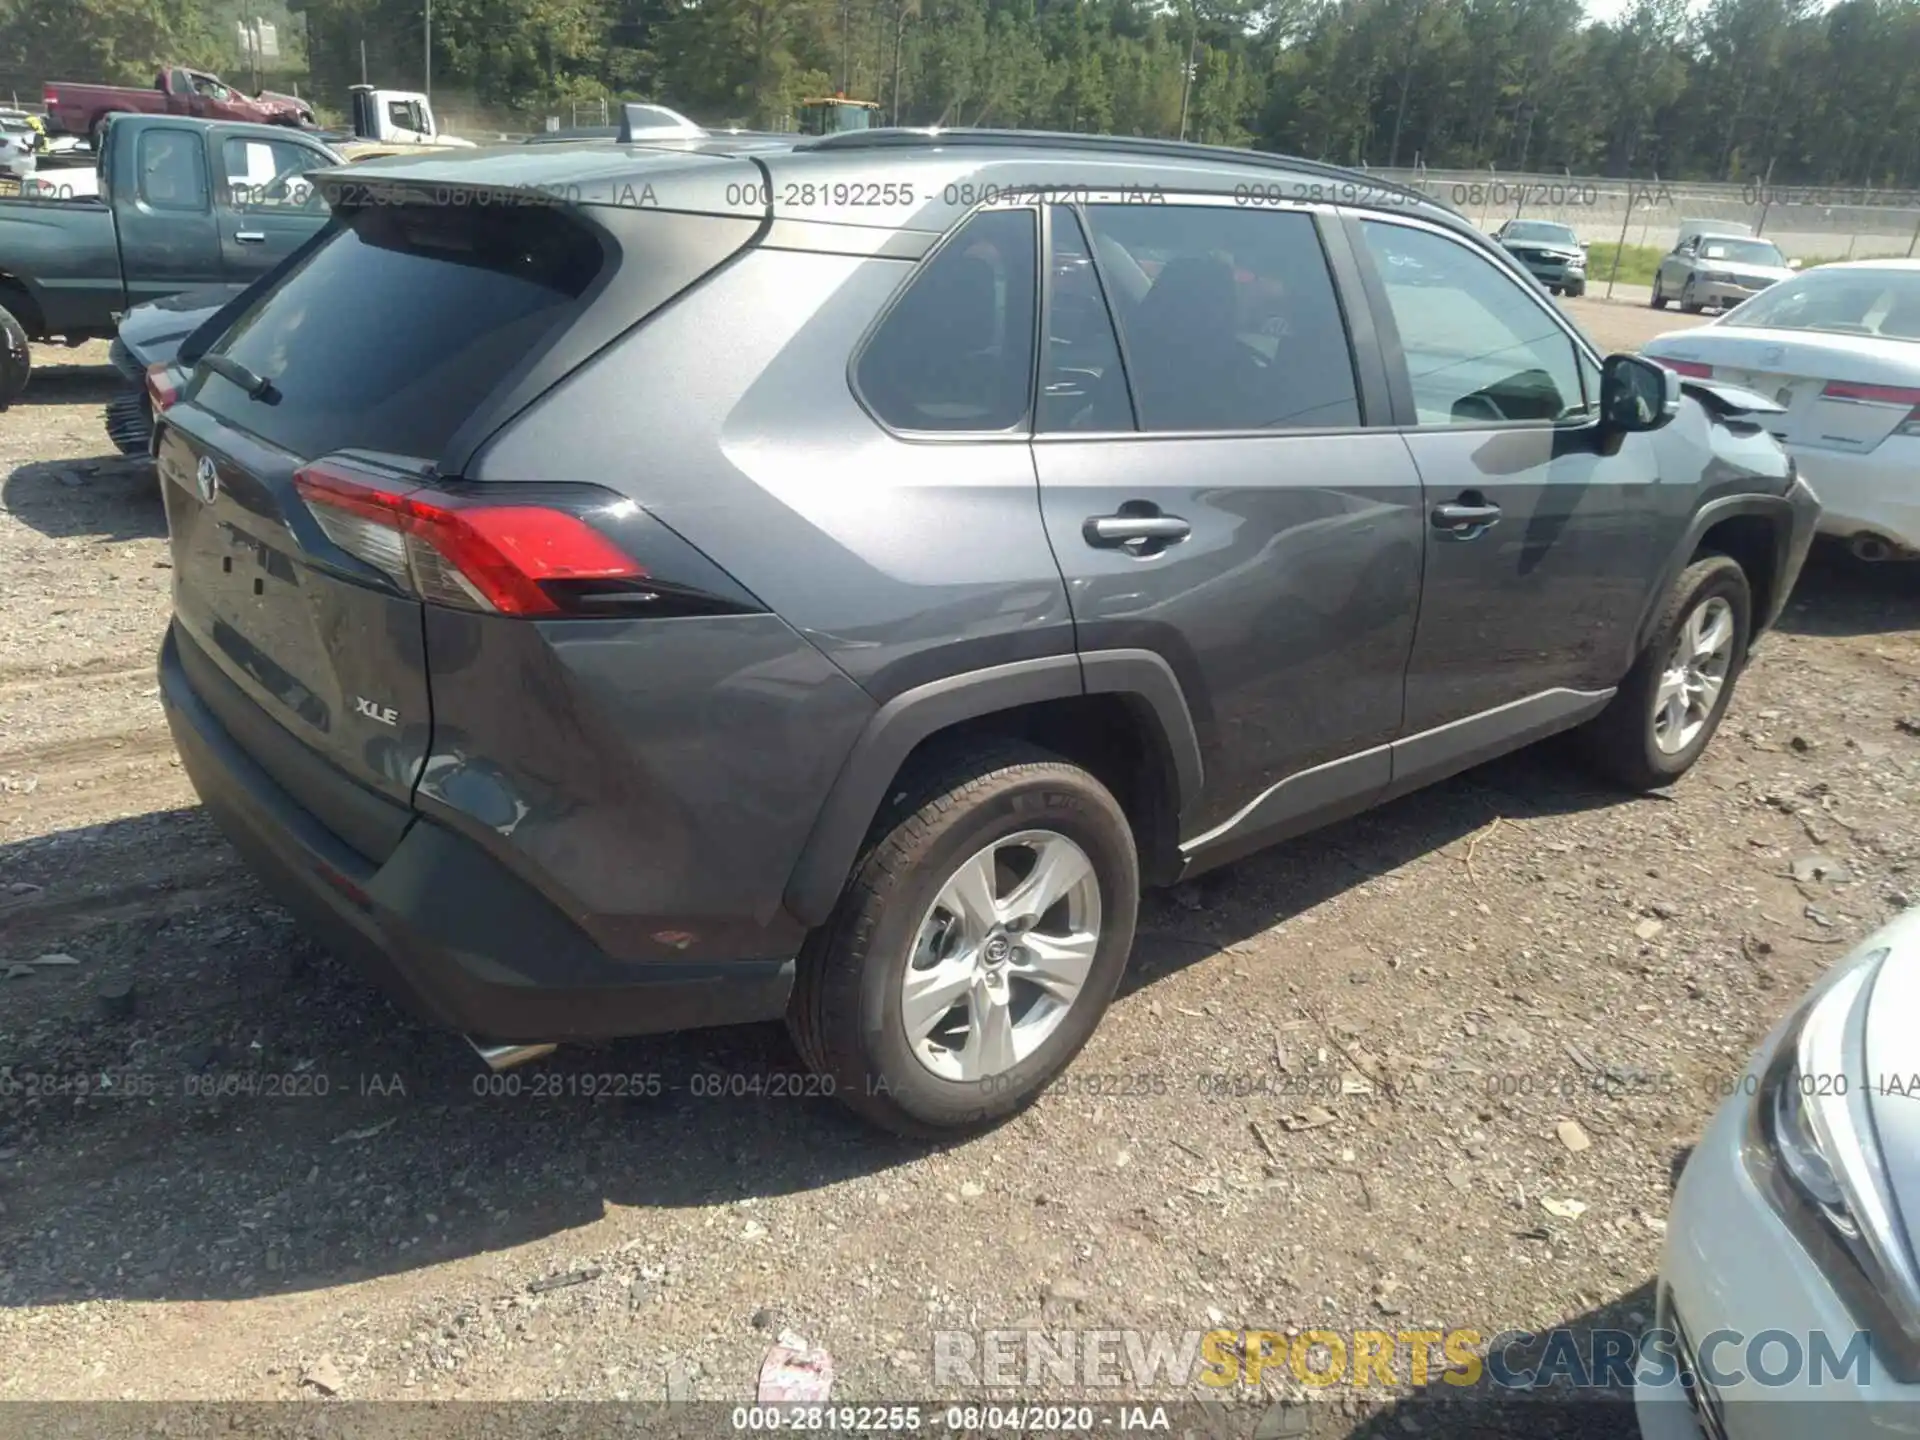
(1637, 394)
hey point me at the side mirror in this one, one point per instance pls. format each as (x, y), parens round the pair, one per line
(1793, 264)
(1637, 394)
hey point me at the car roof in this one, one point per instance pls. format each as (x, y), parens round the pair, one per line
(890, 179)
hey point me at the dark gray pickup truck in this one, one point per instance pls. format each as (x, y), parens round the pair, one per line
(183, 204)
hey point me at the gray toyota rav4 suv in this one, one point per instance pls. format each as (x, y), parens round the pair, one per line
(620, 588)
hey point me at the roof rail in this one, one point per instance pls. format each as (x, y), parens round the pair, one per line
(906, 138)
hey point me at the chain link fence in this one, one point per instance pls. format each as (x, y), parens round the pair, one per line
(1808, 222)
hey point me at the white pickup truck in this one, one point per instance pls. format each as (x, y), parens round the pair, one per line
(392, 122)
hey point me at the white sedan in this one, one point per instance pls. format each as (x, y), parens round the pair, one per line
(1839, 347)
(1789, 1295)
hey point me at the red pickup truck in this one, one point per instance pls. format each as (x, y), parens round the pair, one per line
(84, 109)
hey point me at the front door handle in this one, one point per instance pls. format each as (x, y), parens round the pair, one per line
(251, 237)
(1144, 533)
(1465, 519)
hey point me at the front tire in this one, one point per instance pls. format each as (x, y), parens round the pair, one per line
(16, 358)
(976, 947)
(1688, 304)
(1657, 300)
(1667, 709)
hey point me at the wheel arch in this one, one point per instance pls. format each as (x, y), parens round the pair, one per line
(1756, 531)
(1119, 714)
(20, 298)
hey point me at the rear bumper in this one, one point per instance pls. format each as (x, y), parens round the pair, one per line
(1876, 494)
(1721, 296)
(446, 929)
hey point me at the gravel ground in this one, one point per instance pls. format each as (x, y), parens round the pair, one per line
(1409, 1006)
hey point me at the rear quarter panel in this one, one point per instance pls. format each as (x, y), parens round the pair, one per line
(904, 561)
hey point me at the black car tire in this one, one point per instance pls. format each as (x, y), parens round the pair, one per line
(845, 1012)
(1688, 304)
(1576, 291)
(16, 359)
(1656, 299)
(1620, 739)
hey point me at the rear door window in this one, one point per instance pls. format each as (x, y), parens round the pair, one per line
(389, 334)
(1228, 316)
(955, 351)
(172, 170)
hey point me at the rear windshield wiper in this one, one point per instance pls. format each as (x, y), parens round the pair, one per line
(258, 387)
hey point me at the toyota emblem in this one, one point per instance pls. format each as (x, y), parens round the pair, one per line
(206, 479)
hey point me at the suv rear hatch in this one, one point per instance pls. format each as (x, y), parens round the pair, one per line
(311, 501)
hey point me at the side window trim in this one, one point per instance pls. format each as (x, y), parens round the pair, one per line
(1388, 330)
(1023, 430)
(1325, 217)
(1046, 323)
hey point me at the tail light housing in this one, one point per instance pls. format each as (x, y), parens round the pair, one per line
(47, 97)
(1906, 395)
(163, 386)
(1691, 368)
(499, 554)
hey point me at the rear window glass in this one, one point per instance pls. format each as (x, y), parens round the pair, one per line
(389, 334)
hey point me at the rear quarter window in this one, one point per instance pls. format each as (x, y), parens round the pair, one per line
(400, 324)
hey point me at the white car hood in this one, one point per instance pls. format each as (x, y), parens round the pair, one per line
(1892, 1074)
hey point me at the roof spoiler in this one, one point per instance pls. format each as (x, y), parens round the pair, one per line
(1729, 401)
(655, 122)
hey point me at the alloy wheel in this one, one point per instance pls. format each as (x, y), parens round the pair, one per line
(1001, 955)
(1695, 675)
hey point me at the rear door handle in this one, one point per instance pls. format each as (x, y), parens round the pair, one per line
(1465, 520)
(250, 237)
(1135, 532)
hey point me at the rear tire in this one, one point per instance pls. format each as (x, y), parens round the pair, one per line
(1656, 299)
(1659, 722)
(1688, 304)
(896, 919)
(16, 358)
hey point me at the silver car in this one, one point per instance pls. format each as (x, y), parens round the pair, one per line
(1551, 252)
(1791, 1278)
(1718, 271)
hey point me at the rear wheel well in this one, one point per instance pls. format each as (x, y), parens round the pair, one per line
(1753, 543)
(18, 299)
(1112, 736)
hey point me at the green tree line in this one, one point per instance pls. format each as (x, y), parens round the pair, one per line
(1728, 90)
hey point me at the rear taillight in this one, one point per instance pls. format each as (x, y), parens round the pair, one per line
(1906, 395)
(47, 97)
(163, 386)
(1692, 368)
(515, 559)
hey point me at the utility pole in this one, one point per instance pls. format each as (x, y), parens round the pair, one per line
(846, 45)
(899, 30)
(1186, 75)
(363, 62)
(427, 87)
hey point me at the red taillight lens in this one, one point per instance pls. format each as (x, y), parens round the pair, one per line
(47, 97)
(1881, 395)
(476, 555)
(1687, 367)
(163, 386)
(1876, 394)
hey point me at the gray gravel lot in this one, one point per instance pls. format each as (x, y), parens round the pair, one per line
(1333, 1092)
